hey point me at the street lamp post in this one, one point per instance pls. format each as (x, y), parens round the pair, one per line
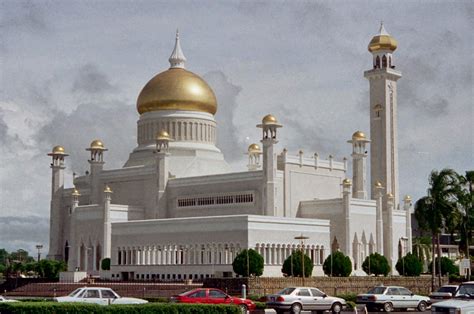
(39, 247)
(302, 238)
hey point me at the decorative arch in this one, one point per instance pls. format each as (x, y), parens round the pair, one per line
(377, 62)
(384, 61)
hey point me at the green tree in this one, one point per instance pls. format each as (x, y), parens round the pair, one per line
(409, 265)
(3, 257)
(466, 206)
(105, 264)
(248, 263)
(50, 269)
(292, 266)
(422, 248)
(337, 264)
(438, 210)
(376, 264)
(447, 266)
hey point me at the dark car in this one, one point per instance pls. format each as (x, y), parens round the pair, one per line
(443, 293)
(213, 296)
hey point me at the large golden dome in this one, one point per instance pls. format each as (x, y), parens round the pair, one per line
(177, 89)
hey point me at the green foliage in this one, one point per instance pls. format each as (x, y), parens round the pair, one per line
(348, 296)
(422, 248)
(409, 265)
(351, 305)
(337, 264)
(252, 259)
(292, 266)
(260, 305)
(79, 308)
(50, 269)
(376, 264)
(105, 264)
(447, 266)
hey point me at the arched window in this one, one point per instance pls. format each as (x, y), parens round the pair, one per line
(378, 110)
(384, 61)
(66, 252)
(377, 62)
(390, 62)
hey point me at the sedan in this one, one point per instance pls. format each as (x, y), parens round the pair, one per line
(102, 296)
(297, 299)
(461, 303)
(443, 293)
(392, 297)
(213, 296)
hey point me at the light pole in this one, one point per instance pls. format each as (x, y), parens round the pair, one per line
(470, 180)
(39, 247)
(302, 238)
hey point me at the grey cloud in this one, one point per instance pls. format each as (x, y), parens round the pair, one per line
(24, 232)
(90, 79)
(23, 16)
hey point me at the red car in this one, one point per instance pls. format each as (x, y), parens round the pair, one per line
(213, 296)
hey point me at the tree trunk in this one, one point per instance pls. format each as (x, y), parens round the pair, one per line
(439, 259)
(433, 264)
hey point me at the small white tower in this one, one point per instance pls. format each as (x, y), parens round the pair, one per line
(107, 245)
(407, 205)
(254, 153)
(389, 248)
(56, 214)
(269, 128)
(346, 198)
(96, 163)
(359, 158)
(379, 217)
(162, 171)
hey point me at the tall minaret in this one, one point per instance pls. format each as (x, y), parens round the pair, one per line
(383, 115)
(56, 215)
(359, 155)
(96, 162)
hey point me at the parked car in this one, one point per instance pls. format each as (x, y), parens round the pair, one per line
(461, 303)
(392, 297)
(297, 299)
(3, 299)
(443, 293)
(213, 296)
(103, 296)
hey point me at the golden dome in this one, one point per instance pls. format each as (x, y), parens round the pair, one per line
(107, 189)
(269, 119)
(97, 144)
(75, 192)
(390, 195)
(163, 135)
(358, 135)
(59, 150)
(378, 184)
(382, 41)
(346, 182)
(254, 148)
(177, 89)
(407, 198)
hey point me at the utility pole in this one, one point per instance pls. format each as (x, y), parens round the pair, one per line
(302, 238)
(39, 247)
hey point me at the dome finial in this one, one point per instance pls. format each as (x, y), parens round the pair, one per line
(382, 30)
(177, 58)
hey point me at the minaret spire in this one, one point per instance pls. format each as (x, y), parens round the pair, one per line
(177, 58)
(382, 30)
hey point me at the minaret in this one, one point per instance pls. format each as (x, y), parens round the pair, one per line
(177, 58)
(383, 114)
(56, 215)
(359, 165)
(96, 163)
(269, 128)
(107, 245)
(346, 198)
(378, 217)
(388, 245)
(162, 171)
(73, 257)
(407, 204)
(254, 153)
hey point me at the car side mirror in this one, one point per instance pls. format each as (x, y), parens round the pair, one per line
(325, 295)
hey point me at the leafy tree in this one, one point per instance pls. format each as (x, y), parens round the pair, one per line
(292, 266)
(409, 265)
(252, 259)
(422, 248)
(337, 264)
(376, 264)
(50, 269)
(105, 264)
(3, 257)
(447, 266)
(466, 206)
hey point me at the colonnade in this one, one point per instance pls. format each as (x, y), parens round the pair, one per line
(181, 130)
(276, 254)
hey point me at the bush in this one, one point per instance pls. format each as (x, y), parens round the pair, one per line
(79, 308)
(337, 264)
(260, 305)
(50, 269)
(254, 262)
(105, 264)
(409, 265)
(376, 264)
(292, 265)
(447, 266)
(348, 296)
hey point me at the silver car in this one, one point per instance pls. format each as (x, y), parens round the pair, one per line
(392, 297)
(297, 299)
(443, 293)
(96, 295)
(461, 303)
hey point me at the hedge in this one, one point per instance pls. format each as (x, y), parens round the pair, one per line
(82, 308)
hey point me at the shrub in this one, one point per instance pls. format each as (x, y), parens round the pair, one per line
(50, 269)
(376, 264)
(409, 265)
(447, 266)
(105, 264)
(260, 305)
(337, 264)
(348, 296)
(292, 265)
(254, 262)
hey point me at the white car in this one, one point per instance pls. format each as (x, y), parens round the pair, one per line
(2, 299)
(389, 298)
(461, 303)
(96, 295)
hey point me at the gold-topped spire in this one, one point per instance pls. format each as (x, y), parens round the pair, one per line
(346, 182)
(358, 135)
(107, 189)
(254, 148)
(58, 150)
(163, 136)
(269, 119)
(382, 41)
(75, 192)
(97, 145)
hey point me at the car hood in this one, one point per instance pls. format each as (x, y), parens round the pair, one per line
(461, 303)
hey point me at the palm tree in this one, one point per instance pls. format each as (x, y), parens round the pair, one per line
(438, 210)
(422, 250)
(466, 206)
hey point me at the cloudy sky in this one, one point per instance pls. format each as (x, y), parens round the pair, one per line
(71, 72)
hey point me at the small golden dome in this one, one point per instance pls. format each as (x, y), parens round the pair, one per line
(59, 150)
(107, 189)
(97, 144)
(346, 182)
(177, 89)
(254, 148)
(163, 135)
(390, 195)
(407, 198)
(269, 119)
(75, 192)
(382, 41)
(378, 184)
(358, 135)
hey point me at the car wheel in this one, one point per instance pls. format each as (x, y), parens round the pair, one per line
(296, 308)
(388, 307)
(336, 307)
(243, 308)
(422, 306)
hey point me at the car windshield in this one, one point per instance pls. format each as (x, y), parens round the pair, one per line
(465, 291)
(74, 292)
(377, 290)
(447, 289)
(286, 291)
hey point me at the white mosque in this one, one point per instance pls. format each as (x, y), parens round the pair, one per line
(176, 211)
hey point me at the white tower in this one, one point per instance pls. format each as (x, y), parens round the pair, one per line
(96, 163)
(254, 153)
(162, 171)
(383, 115)
(359, 164)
